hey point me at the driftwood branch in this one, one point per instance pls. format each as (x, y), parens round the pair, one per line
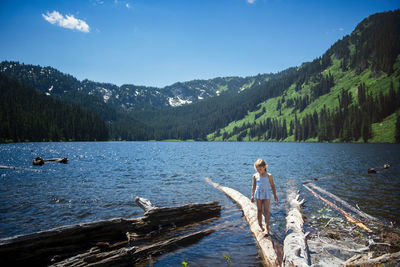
(144, 204)
(393, 259)
(344, 203)
(64, 242)
(270, 248)
(345, 214)
(295, 246)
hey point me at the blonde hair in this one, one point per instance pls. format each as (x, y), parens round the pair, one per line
(260, 163)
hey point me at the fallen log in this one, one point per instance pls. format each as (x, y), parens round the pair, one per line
(58, 160)
(18, 168)
(39, 161)
(344, 203)
(345, 214)
(392, 259)
(63, 242)
(271, 249)
(133, 255)
(295, 245)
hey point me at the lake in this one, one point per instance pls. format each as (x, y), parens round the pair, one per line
(102, 180)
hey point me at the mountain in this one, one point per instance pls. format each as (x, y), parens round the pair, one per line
(50, 81)
(26, 115)
(350, 94)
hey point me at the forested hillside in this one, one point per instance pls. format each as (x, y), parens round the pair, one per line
(26, 115)
(349, 94)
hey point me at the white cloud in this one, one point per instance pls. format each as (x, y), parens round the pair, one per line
(69, 21)
(251, 1)
(127, 5)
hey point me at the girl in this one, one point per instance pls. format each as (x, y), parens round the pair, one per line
(262, 189)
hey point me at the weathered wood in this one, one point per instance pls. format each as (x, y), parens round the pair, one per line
(58, 160)
(18, 168)
(295, 245)
(344, 203)
(270, 247)
(129, 256)
(39, 161)
(144, 204)
(39, 248)
(393, 259)
(345, 214)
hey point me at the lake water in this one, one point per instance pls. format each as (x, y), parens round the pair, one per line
(102, 180)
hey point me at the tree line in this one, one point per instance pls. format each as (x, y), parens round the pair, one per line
(26, 115)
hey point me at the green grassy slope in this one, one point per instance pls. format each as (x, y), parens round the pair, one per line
(376, 83)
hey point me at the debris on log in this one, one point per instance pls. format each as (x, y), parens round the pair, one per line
(271, 249)
(52, 246)
(295, 245)
(38, 161)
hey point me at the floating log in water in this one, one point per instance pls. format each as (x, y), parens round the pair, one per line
(344, 203)
(295, 245)
(345, 214)
(18, 168)
(47, 247)
(39, 161)
(271, 249)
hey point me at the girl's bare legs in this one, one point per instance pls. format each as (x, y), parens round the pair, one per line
(260, 212)
(266, 205)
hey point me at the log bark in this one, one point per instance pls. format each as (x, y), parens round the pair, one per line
(39, 248)
(270, 248)
(129, 256)
(295, 245)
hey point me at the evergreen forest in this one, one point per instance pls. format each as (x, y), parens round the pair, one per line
(349, 94)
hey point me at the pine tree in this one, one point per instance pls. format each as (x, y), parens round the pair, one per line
(397, 131)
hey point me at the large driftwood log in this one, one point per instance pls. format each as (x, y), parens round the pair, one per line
(270, 248)
(63, 242)
(295, 245)
(133, 255)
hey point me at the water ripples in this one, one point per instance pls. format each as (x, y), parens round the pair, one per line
(102, 180)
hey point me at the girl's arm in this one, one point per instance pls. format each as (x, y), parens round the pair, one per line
(271, 181)
(253, 189)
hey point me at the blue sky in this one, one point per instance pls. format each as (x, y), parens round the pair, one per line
(160, 42)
